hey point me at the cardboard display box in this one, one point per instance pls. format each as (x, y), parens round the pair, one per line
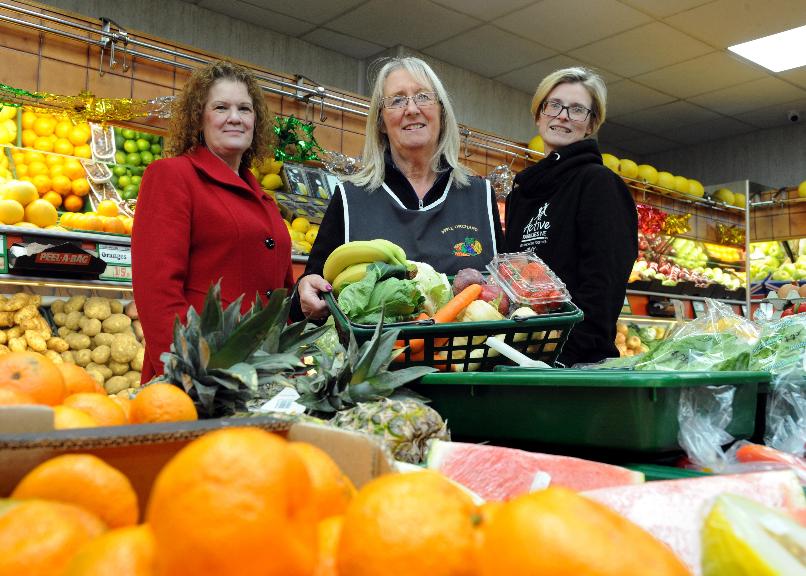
(140, 451)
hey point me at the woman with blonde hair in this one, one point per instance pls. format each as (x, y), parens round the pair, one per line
(574, 213)
(411, 190)
(201, 215)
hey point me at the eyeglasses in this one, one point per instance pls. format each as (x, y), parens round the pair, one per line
(575, 112)
(420, 100)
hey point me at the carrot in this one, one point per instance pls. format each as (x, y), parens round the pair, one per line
(402, 343)
(759, 453)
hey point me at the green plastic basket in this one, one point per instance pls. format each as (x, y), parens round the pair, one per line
(459, 346)
(617, 410)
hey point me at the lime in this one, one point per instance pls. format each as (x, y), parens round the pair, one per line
(118, 170)
(147, 157)
(130, 146)
(120, 157)
(129, 192)
(114, 180)
(136, 180)
(128, 134)
(138, 171)
(119, 140)
(124, 181)
(133, 159)
(143, 144)
(145, 136)
(156, 149)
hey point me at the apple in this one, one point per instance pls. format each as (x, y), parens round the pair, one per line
(495, 295)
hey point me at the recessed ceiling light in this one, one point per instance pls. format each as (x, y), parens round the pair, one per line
(777, 52)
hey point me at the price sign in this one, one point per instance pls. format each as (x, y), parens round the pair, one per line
(117, 273)
(626, 308)
(699, 308)
(744, 311)
(112, 254)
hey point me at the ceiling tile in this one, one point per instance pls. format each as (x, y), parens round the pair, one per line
(727, 22)
(648, 145)
(528, 77)
(566, 24)
(775, 115)
(615, 133)
(316, 11)
(415, 23)
(667, 117)
(642, 50)
(502, 51)
(704, 74)
(484, 9)
(664, 8)
(626, 97)
(258, 16)
(749, 96)
(795, 76)
(715, 129)
(342, 43)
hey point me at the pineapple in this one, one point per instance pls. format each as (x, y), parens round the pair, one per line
(405, 425)
(224, 359)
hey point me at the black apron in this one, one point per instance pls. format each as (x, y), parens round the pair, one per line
(454, 232)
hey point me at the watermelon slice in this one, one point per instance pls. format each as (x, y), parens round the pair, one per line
(673, 510)
(497, 473)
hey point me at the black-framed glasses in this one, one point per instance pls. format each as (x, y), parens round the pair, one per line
(421, 100)
(575, 112)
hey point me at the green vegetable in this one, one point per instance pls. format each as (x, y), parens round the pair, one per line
(364, 302)
(480, 311)
(435, 287)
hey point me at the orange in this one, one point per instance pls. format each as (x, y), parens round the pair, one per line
(73, 203)
(28, 119)
(83, 151)
(65, 418)
(9, 397)
(44, 144)
(332, 490)
(37, 167)
(73, 169)
(76, 380)
(28, 138)
(22, 171)
(42, 183)
(84, 480)
(41, 212)
(80, 187)
(56, 170)
(11, 211)
(61, 184)
(125, 404)
(235, 501)
(128, 224)
(44, 125)
(113, 225)
(162, 403)
(78, 136)
(107, 208)
(409, 524)
(32, 374)
(577, 536)
(31, 156)
(53, 198)
(105, 411)
(328, 532)
(38, 538)
(123, 552)
(63, 128)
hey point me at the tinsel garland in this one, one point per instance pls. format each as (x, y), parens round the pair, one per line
(295, 140)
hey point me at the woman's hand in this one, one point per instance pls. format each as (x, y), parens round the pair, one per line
(310, 288)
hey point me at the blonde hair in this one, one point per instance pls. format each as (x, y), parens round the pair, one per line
(376, 142)
(187, 111)
(592, 82)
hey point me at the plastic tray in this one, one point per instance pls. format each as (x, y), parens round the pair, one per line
(616, 410)
(460, 345)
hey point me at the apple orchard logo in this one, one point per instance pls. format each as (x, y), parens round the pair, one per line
(536, 231)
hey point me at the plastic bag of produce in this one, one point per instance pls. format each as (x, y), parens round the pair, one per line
(704, 414)
(780, 346)
(786, 408)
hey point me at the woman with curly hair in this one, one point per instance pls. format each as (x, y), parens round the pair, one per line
(201, 215)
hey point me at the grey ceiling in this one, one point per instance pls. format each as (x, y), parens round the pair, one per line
(671, 80)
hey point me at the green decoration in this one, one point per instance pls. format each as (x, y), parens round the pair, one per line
(295, 140)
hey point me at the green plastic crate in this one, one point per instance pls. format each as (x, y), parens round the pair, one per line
(615, 410)
(653, 472)
(539, 337)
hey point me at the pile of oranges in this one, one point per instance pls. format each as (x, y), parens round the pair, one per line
(49, 133)
(59, 180)
(105, 218)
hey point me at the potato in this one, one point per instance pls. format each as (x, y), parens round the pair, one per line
(78, 341)
(30, 324)
(90, 326)
(100, 368)
(117, 323)
(68, 357)
(131, 310)
(54, 357)
(35, 341)
(60, 318)
(73, 320)
(63, 332)
(44, 328)
(27, 312)
(75, 304)
(116, 306)
(118, 368)
(35, 299)
(103, 339)
(15, 332)
(58, 344)
(3, 337)
(100, 355)
(124, 348)
(133, 376)
(97, 307)
(138, 330)
(17, 344)
(99, 378)
(139, 358)
(83, 357)
(17, 302)
(116, 384)
(57, 307)
(4, 349)
(6, 319)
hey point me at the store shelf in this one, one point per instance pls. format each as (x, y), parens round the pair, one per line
(116, 239)
(682, 297)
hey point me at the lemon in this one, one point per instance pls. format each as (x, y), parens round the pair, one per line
(648, 174)
(11, 211)
(666, 179)
(802, 189)
(297, 236)
(8, 112)
(310, 235)
(271, 182)
(255, 172)
(276, 166)
(611, 162)
(302, 246)
(6, 137)
(628, 168)
(300, 225)
(536, 144)
(42, 213)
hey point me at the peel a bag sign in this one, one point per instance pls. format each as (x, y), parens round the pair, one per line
(60, 260)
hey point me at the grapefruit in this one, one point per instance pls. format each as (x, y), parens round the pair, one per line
(695, 188)
(628, 168)
(666, 180)
(11, 211)
(648, 174)
(681, 184)
(42, 213)
(22, 191)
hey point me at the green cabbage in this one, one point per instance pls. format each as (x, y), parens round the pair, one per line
(435, 287)
(364, 302)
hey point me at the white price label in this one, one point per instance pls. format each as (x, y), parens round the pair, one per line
(115, 254)
(284, 401)
(117, 273)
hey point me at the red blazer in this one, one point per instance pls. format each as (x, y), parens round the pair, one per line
(197, 221)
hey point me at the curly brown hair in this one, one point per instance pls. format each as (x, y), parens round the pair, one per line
(187, 112)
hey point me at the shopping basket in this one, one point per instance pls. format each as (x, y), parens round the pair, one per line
(460, 346)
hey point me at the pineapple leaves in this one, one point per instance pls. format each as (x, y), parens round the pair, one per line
(212, 318)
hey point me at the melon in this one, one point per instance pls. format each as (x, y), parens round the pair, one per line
(666, 180)
(695, 188)
(741, 537)
(611, 162)
(628, 168)
(497, 473)
(648, 174)
(681, 184)
(672, 510)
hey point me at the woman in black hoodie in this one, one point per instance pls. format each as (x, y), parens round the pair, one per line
(574, 213)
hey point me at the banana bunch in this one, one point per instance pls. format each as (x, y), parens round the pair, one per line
(723, 253)
(362, 252)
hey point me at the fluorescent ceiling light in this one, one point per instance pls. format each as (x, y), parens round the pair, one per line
(778, 52)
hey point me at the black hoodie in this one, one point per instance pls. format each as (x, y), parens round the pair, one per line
(580, 219)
